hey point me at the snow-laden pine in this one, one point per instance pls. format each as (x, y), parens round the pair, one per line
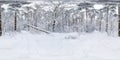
(60, 17)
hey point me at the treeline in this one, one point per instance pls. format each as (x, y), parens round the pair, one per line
(61, 17)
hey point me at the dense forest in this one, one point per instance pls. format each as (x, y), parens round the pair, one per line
(57, 16)
(59, 30)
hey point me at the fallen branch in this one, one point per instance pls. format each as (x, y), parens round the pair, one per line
(38, 29)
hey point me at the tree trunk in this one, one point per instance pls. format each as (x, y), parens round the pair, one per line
(15, 22)
(107, 20)
(119, 21)
(0, 22)
(86, 21)
(53, 26)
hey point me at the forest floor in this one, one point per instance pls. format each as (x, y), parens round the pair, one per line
(59, 46)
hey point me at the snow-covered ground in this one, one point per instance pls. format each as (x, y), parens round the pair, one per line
(59, 46)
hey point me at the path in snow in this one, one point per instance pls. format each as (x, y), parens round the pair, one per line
(72, 46)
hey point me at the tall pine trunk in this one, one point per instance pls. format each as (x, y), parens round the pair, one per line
(0, 22)
(15, 22)
(107, 19)
(119, 21)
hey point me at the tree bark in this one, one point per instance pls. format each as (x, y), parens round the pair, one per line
(53, 26)
(15, 22)
(119, 21)
(0, 22)
(107, 19)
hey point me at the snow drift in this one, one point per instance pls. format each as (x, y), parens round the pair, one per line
(59, 46)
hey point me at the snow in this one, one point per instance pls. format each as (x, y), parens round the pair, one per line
(70, 6)
(32, 5)
(59, 46)
(48, 8)
(5, 7)
(98, 6)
